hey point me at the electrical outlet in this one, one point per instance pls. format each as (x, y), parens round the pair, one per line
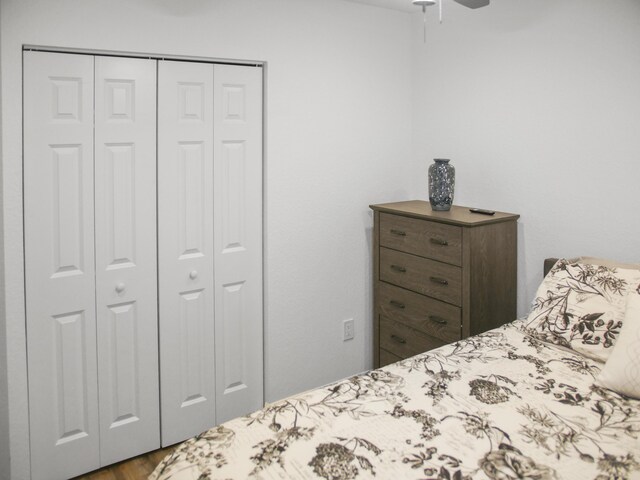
(348, 329)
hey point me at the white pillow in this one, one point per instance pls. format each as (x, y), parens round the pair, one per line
(621, 373)
(607, 263)
(581, 306)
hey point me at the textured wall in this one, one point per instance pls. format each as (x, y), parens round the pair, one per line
(538, 106)
(338, 138)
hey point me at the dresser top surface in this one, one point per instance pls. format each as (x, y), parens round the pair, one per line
(458, 215)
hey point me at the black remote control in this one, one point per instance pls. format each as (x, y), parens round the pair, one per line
(482, 211)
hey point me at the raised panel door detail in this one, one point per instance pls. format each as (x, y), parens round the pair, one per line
(122, 341)
(67, 99)
(120, 100)
(126, 259)
(233, 325)
(238, 239)
(70, 376)
(192, 320)
(185, 248)
(192, 180)
(67, 209)
(59, 264)
(233, 103)
(120, 204)
(233, 196)
(191, 105)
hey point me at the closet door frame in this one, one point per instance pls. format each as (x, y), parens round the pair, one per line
(18, 390)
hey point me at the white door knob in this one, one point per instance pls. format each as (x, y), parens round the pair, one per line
(193, 275)
(120, 287)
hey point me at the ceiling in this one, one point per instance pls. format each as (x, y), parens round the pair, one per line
(402, 5)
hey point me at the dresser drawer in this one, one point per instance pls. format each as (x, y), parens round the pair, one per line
(428, 277)
(387, 358)
(425, 314)
(403, 341)
(428, 239)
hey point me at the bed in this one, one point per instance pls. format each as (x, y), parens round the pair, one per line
(528, 400)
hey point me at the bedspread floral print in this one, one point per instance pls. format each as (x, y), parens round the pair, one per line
(502, 405)
(581, 307)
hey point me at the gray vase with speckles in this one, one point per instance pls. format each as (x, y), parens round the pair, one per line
(442, 180)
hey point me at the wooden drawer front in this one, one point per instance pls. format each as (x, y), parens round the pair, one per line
(403, 341)
(428, 239)
(425, 314)
(435, 279)
(387, 358)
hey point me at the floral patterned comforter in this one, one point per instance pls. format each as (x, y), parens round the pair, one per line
(500, 405)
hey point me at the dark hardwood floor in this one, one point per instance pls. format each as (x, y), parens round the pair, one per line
(133, 469)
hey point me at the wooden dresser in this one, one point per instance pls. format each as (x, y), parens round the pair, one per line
(439, 276)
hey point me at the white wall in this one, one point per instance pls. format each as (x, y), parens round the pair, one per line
(338, 139)
(537, 103)
(4, 405)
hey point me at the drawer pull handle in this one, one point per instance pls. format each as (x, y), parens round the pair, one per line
(439, 280)
(395, 303)
(398, 339)
(436, 319)
(398, 268)
(437, 241)
(400, 233)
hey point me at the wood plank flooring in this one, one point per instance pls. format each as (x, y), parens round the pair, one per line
(133, 469)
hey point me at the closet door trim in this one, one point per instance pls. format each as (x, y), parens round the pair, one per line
(152, 56)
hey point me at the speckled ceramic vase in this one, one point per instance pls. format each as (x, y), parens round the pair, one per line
(442, 180)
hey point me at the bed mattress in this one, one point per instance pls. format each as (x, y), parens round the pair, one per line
(499, 405)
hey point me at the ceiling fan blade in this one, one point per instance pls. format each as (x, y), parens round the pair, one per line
(473, 3)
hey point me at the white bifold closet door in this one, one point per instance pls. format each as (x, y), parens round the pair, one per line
(59, 264)
(90, 260)
(210, 244)
(126, 273)
(185, 248)
(237, 243)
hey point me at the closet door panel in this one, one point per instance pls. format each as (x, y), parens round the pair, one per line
(59, 265)
(126, 276)
(238, 240)
(185, 248)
